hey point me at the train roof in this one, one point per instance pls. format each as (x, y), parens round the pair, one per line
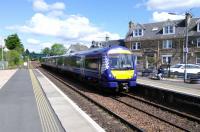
(100, 50)
(96, 51)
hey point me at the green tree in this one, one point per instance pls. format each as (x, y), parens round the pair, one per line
(13, 42)
(57, 49)
(46, 51)
(14, 58)
(27, 52)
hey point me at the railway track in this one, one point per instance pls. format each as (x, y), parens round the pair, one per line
(154, 115)
(182, 114)
(123, 121)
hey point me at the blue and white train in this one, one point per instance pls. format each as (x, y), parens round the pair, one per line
(111, 67)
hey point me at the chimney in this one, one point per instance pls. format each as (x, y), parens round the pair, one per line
(130, 24)
(107, 37)
(188, 17)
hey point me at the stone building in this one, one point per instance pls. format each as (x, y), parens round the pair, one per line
(164, 43)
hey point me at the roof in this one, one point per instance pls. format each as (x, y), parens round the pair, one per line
(97, 51)
(76, 47)
(119, 42)
(149, 34)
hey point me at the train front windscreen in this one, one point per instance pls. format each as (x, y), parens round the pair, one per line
(121, 61)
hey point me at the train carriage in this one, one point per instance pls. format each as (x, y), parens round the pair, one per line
(111, 67)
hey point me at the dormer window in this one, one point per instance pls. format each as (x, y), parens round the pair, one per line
(169, 29)
(198, 27)
(138, 32)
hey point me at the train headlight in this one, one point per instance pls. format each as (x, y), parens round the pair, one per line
(110, 75)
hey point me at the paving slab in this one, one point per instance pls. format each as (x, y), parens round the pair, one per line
(18, 110)
(24, 107)
(72, 118)
(170, 85)
(5, 75)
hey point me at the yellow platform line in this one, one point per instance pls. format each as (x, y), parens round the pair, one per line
(47, 119)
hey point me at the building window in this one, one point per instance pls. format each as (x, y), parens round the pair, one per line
(198, 60)
(137, 32)
(198, 43)
(169, 29)
(198, 27)
(136, 46)
(166, 59)
(167, 44)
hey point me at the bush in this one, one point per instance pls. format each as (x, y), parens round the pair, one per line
(14, 58)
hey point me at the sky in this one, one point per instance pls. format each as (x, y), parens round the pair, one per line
(41, 23)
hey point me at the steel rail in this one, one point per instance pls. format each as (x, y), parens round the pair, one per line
(155, 116)
(185, 115)
(130, 125)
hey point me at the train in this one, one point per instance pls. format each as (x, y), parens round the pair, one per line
(110, 67)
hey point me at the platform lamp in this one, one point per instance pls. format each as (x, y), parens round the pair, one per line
(169, 65)
(188, 17)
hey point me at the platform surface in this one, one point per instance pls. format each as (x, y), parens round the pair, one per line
(5, 75)
(30, 102)
(177, 86)
(72, 118)
(18, 106)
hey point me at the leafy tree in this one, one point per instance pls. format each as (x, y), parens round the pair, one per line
(57, 49)
(13, 57)
(12, 41)
(46, 51)
(27, 52)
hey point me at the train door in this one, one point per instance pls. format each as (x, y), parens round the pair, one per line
(82, 66)
(99, 67)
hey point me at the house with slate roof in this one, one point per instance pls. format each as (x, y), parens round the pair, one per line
(107, 43)
(76, 47)
(163, 43)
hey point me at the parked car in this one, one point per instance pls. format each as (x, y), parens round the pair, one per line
(190, 68)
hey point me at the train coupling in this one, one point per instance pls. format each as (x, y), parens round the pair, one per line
(124, 86)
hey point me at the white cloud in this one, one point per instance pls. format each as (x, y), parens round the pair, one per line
(172, 4)
(41, 5)
(57, 6)
(46, 44)
(163, 16)
(71, 28)
(33, 41)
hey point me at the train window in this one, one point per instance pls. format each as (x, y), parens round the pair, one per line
(78, 61)
(73, 61)
(92, 63)
(60, 61)
(53, 60)
(121, 61)
(66, 61)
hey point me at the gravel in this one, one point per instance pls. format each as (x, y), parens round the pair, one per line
(132, 115)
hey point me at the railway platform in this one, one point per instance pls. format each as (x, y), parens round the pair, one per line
(30, 102)
(172, 85)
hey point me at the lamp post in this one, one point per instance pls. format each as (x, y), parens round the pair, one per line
(2, 60)
(188, 17)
